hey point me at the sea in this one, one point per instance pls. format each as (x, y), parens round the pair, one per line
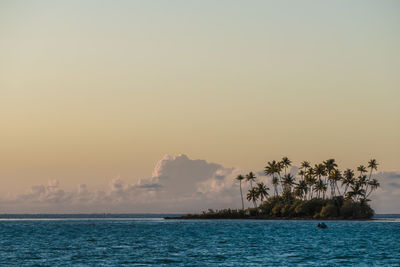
(150, 240)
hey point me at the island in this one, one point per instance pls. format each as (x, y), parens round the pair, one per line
(319, 192)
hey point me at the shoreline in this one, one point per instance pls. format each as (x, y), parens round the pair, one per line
(269, 218)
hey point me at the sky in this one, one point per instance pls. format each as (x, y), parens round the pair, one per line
(96, 95)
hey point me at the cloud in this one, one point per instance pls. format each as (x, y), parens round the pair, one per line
(386, 199)
(50, 193)
(184, 184)
(177, 184)
(150, 186)
(394, 184)
(391, 175)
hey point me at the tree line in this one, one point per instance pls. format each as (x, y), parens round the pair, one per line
(323, 181)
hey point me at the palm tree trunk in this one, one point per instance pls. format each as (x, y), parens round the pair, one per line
(369, 178)
(345, 190)
(334, 188)
(338, 189)
(280, 180)
(241, 194)
(369, 192)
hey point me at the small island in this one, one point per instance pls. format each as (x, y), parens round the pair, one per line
(319, 192)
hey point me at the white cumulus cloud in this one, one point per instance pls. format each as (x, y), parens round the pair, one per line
(177, 184)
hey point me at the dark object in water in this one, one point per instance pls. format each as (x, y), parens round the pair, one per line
(322, 225)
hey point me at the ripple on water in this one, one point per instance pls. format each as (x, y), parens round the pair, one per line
(198, 243)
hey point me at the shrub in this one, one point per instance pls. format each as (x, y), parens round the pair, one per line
(288, 206)
(347, 209)
(329, 211)
(364, 211)
(301, 208)
(252, 211)
(356, 210)
(276, 210)
(338, 201)
(314, 206)
(266, 208)
(286, 210)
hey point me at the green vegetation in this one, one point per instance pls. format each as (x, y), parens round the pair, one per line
(322, 191)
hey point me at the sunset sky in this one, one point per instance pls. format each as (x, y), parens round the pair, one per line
(93, 93)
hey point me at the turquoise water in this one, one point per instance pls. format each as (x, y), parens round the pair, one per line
(154, 241)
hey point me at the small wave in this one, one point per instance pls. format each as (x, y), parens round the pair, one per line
(387, 220)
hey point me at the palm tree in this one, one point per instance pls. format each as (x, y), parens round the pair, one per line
(319, 170)
(320, 186)
(240, 178)
(302, 173)
(305, 165)
(362, 169)
(262, 191)
(288, 181)
(330, 166)
(252, 195)
(324, 189)
(310, 180)
(374, 184)
(362, 180)
(335, 177)
(279, 170)
(310, 172)
(286, 163)
(272, 169)
(372, 165)
(301, 189)
(250, 178)
(356, 191)
(331, 182)
(275, 183)
(347, 179)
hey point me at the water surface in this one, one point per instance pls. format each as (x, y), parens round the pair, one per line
(154, 241)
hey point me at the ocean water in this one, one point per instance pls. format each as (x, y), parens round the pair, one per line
(155, 241)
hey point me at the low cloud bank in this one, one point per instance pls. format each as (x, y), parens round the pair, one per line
(386, 199)
(177, 184)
